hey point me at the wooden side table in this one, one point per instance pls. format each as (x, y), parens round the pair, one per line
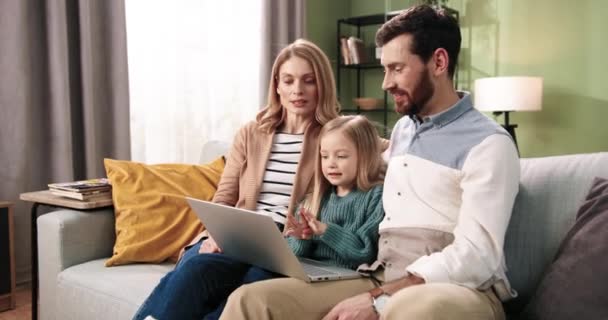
(46, 198)
(7, 257)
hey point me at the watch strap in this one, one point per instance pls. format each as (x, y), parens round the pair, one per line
(376, 292)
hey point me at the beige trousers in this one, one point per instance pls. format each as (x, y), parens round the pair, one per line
(289, 298)
(443, 301)
(293, 299)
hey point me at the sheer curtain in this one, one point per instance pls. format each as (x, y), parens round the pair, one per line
(194, 71)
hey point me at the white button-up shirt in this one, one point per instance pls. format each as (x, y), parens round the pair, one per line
(457, 172)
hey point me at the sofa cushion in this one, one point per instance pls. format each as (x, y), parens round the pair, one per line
(575, 285)
(153, 220)
(551, 190)
(93, 292)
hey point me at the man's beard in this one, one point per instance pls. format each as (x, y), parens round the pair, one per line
(421, 94)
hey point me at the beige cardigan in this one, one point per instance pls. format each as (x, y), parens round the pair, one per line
(246, 163)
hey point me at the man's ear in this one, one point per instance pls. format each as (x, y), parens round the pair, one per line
(440, 62)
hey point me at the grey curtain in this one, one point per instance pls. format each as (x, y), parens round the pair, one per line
(64, 102)
(282, 23)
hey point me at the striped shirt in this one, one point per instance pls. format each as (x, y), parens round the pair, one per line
(279, 176)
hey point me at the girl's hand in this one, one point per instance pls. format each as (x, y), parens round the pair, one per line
(297, 227)
(317, 227)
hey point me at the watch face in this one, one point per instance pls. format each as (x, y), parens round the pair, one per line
(380, 302)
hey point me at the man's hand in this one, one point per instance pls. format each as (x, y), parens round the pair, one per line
(209, 246)
(358, 307)
(297, 227)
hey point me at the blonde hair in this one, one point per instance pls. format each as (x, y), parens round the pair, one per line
(273, 115)
(362, 133)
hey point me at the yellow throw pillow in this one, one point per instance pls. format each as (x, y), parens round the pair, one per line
(153, 220)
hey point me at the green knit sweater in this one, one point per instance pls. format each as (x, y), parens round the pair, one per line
(351, 237)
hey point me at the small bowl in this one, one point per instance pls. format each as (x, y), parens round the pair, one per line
(368, 103)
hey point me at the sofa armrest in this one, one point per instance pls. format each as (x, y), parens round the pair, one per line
(69, 237)
(66, 238)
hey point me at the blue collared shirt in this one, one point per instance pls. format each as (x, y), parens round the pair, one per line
(444, 138)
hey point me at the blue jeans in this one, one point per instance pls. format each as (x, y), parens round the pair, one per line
(199, 286)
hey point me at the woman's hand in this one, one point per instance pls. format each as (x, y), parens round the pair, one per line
(318, 228)
(298, 227)
(209, 246)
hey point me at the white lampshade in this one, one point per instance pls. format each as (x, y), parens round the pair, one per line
(509, 94)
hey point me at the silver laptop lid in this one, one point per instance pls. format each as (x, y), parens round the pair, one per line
(248, 237)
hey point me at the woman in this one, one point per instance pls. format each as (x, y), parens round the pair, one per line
(269, 170)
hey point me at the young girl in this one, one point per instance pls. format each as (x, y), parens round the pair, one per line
(338, 222)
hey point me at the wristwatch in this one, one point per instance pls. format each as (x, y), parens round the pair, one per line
(380, 298)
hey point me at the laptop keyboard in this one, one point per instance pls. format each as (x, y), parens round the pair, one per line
(316, 271)
(315, 268)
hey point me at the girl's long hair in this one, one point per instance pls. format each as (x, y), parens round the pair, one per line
(370, 166)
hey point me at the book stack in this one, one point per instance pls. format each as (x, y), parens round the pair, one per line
(84, 190)
(352, 50)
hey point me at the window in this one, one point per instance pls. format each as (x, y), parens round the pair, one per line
(194, 70)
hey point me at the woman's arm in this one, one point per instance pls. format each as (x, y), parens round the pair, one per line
(228, 188)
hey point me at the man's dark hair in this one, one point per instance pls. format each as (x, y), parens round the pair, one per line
(430, 28)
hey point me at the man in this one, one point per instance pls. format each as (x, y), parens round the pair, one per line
(449, 190)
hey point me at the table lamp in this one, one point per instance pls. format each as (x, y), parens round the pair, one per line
(501, 95)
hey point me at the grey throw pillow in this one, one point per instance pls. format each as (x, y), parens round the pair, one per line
(575, 286)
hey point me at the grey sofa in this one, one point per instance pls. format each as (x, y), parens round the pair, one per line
(74, 284)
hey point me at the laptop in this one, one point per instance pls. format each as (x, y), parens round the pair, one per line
(254, 238)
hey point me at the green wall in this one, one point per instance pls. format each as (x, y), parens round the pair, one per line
(322, 16)
(321, 21)
(563, 41)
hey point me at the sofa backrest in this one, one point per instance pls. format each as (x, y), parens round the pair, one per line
(212, 149)
(550, 192)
